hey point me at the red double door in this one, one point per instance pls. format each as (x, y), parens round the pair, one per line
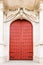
(21, 40)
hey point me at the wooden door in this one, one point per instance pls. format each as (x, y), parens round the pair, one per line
(21, 40)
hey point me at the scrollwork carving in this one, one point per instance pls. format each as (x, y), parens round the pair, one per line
(22, 11)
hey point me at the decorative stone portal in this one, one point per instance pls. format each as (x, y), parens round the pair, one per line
(21, 40)
(21, 14)
(35, 16)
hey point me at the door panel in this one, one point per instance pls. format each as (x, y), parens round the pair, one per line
(21, 40)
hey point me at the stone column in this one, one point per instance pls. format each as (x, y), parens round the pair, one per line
(2, 45)
(41, 32)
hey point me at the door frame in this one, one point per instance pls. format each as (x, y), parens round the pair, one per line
(22, 15)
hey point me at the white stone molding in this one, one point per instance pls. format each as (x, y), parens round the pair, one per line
(21, 14)
(21, 11)
(41, 31)
(1, 33)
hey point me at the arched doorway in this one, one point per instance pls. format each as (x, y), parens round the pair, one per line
(21, 40)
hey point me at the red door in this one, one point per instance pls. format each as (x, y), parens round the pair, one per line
(21, 40)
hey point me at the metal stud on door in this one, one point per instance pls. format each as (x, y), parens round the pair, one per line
(21, 40)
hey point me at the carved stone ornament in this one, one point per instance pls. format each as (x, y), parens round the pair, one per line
(21, 13)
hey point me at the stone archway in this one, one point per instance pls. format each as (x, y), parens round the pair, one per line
(21, 40)
(22, 15)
